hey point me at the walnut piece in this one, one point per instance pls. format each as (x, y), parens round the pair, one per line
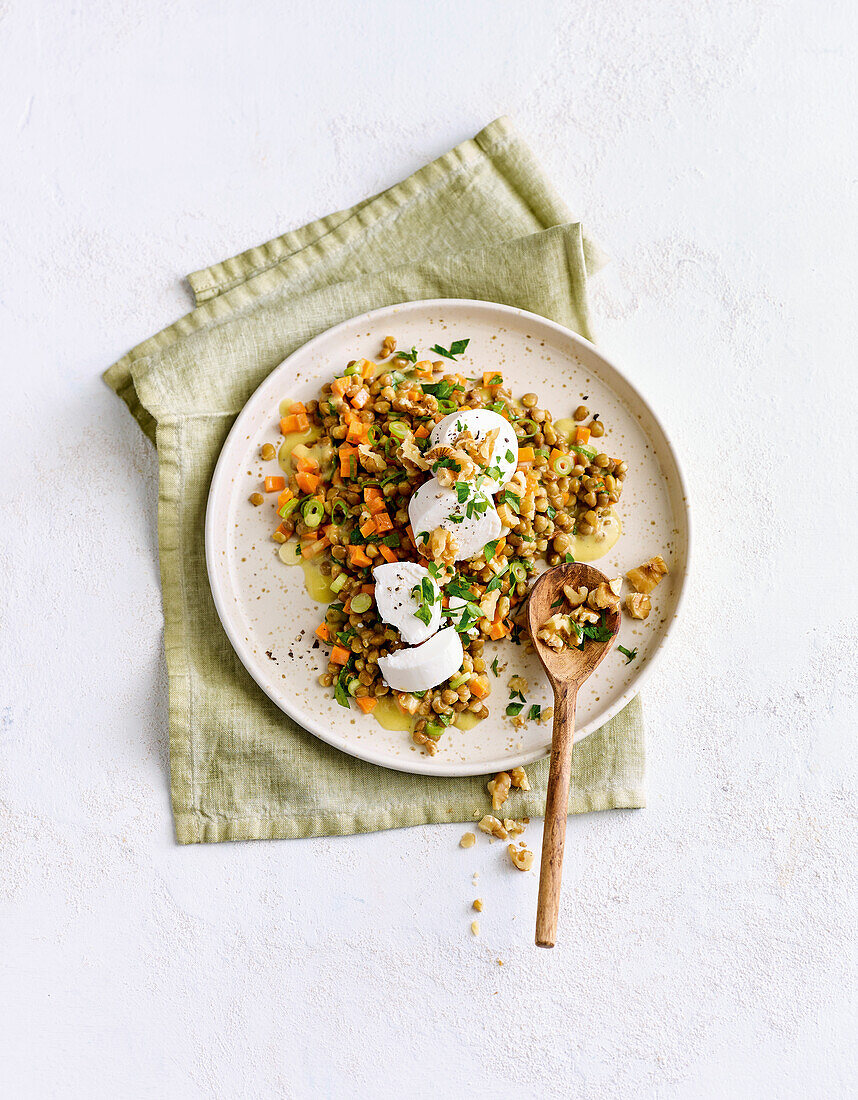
(645, 577)
(475, 927)
(468, 841)
(515, 828)
(478, 904)
(638, 605)
(518, 777)
(522, 858)
(493, 827)
(498, 788)
(443, 546)
(607, 595)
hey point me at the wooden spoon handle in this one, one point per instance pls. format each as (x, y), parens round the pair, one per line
(556, 810)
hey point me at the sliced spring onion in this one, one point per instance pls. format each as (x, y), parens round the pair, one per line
(338, 582)
(528, 426)
(289, 553)
(353, 685)
(352, 368)
(339, 511)
(398, 431)
(434, 729)
(517, 571)
(562, 465)
(585, 452)
(288, 508)
(456, 681)
(361, 602)
(373, 433)
(313, 512)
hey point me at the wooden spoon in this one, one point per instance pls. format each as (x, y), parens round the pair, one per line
(567, 670)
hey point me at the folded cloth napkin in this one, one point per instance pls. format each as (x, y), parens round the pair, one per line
(479, 222)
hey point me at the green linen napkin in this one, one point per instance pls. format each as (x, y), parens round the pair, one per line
(479, 222)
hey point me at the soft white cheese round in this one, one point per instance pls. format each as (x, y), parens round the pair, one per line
(394, 584)
(418, 668)
(479, 422)
(434, 506)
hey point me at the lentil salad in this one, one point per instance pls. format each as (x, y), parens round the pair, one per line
(345, 497)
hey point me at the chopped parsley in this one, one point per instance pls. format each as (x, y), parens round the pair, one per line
(456, 348)
(462, 491)
(424, 594)
(495, 380)
(629, 654)
(507, 497)
(535, 713)
(442, 390)
(494, 667)
(489, 549)
(514, 709)
(411, 356)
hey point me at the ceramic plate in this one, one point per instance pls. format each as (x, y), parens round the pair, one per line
(270, 617)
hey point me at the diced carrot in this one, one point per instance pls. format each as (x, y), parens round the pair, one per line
(340, 385)
(369, 589)
(347, 606)
(488, 375)
(556, 454)
(367, 369)
(275, 484)
(297, 407)
(525, 454)
(368, 528)
(323, 632)
(307, 464)
(410, 532)
(294, 422)
(374, 499)
(358, 432)
(360, 398)
(284, 497)
(478, 688)
(367, 703)
(339, 655)
(383, 523)
(497, 632)
(311, 549)
(582, 434)
(387, 553)
(358, 556)
(347, 453)
(307, 483)
(282, 530)
(422, 432)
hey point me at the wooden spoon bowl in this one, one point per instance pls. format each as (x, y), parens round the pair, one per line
(567, 669)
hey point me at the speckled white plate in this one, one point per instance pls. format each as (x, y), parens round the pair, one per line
(270, 618)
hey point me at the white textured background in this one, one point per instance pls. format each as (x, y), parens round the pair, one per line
(706, 941)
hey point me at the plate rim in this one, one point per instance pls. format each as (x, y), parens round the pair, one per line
(418, 765)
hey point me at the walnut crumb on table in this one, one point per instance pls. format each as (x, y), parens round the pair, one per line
(475, 927)
(493, 827)
(518, 777)
(478, 904)
(522, 858)
(498, 788)
(468, 841)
